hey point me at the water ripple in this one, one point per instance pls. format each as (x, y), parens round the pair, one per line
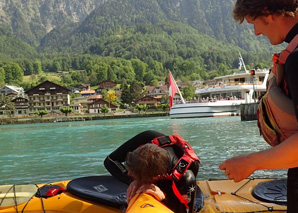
(36, 153)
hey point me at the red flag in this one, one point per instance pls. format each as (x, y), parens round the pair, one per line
(172, 89)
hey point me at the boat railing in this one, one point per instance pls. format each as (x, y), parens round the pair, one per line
(222, 85)
(208, 100)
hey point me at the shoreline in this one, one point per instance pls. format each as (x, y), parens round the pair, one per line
(73, 118)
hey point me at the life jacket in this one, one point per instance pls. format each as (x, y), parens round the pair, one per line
(276, 114)
(182, 165)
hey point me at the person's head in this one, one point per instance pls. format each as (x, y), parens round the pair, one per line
(271, 18)
(147, 163)
(259, 8)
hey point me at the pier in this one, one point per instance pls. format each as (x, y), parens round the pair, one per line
(249, 111)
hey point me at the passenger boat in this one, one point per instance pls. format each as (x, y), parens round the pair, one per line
(224, 96)
(105, 194)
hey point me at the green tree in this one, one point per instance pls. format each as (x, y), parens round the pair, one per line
(189, 92)
(41, 113)
(28, 67)
(37, 67)
(165, 107)
(136, 89)
(222, 69)
(13, 73)
(8, 106)
(66, 110)
(139, 107)
(139, 68)
(126, 96)
(104, 110)
(149, 77)
(2, 77)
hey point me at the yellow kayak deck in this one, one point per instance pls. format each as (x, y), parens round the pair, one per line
(219, 196)
(228, 196)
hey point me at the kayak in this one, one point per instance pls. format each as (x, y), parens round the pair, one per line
(108, 195)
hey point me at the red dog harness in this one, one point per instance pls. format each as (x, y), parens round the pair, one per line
(182, 164)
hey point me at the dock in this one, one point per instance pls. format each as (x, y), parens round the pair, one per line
(249, 111)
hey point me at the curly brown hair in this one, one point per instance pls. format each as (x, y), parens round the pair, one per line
(257, 8)
(147, 162)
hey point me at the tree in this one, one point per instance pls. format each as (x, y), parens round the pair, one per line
(13, 73)
(139, 68)
(136, 89)
(141, 107)
(126, 95)
(165, 107)
(189, 92)
(104, 110)
(37, 67)
(28, 67)
(41, 113)
(7, 105)
(2, 76)
(111, 96)
(66, 110)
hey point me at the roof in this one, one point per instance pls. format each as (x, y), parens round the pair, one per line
(87, 92)
(45, 83)
(151, 88)
(14, 88)
(95, 97)
(147, 96)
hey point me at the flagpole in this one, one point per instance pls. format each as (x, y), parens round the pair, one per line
(181, 97)
(240, 57)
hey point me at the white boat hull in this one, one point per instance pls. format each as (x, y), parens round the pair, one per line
(210, 109)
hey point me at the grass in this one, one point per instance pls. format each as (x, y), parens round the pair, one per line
(49, 76)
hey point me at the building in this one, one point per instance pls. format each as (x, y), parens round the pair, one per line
(84, 87)
(154, 91)
(21, 105)
(86, 93)
(106, 85)
(148, 100)
(48, 96)
(12, 91)
(95, 106)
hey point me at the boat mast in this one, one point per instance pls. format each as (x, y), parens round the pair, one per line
(181, 97)
(242, 63)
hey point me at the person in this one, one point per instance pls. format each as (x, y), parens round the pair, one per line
(146, 165)
(174, 182)
(278, 109)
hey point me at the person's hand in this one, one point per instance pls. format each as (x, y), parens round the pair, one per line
(153, 190)
(131, 190)
(238, 168)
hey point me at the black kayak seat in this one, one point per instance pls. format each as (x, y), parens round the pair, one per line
(108, 191)
(274, 191)
(104, 190)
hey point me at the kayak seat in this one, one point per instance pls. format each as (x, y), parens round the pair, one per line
(104, 190)
(274, 191)
(108, 191)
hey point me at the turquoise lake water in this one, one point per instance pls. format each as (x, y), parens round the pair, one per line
(38, 153)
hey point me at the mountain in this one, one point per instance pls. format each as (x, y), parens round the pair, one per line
(78, 26)
(208, 17)
(31, 20)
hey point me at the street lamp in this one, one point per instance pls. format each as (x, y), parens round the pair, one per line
(252, 74)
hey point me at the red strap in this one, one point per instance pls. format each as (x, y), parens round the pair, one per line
(285, 53)
(178, 195)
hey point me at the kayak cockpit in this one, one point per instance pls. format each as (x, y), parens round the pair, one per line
(104, 190)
